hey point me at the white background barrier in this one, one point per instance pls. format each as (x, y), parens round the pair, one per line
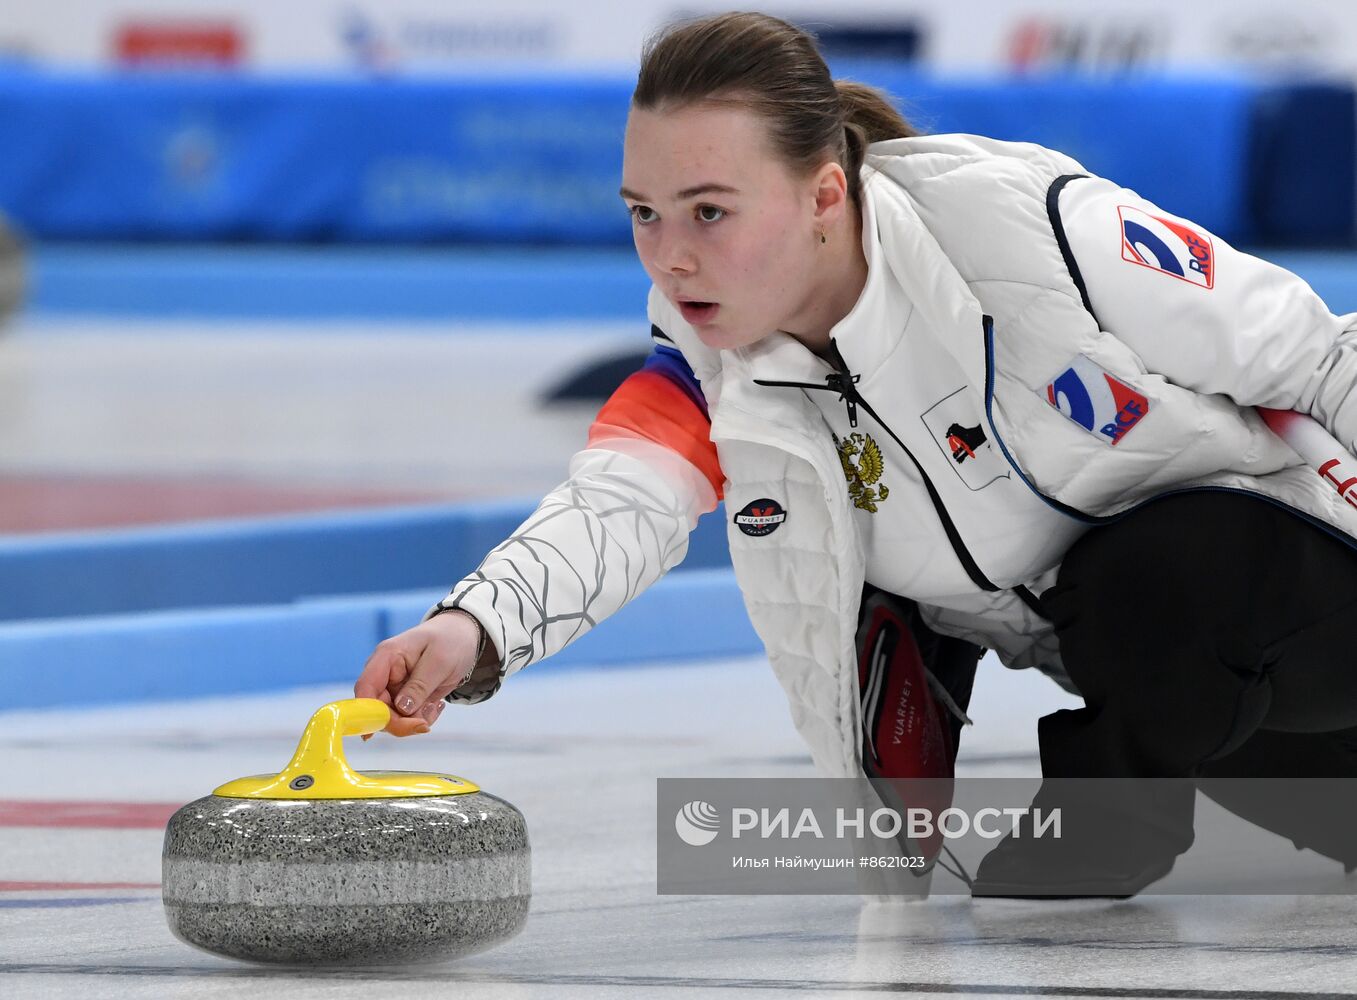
(969, 37)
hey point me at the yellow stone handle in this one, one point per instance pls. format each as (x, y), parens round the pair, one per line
(351, 717)
(320, 753)
(318, 769)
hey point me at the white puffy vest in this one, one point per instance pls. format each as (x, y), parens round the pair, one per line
(966, 230)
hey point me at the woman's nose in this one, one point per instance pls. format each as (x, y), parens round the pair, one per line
(675, 256)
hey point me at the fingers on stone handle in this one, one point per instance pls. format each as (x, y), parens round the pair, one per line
(401, 726)
(427, 679)
(433, 707)
(385, 666)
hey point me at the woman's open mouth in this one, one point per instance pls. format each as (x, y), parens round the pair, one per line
(698, 313)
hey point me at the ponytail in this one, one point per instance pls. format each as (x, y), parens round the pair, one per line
(868, 117)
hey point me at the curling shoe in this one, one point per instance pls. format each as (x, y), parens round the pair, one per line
(1103, 850)
(1037, 869)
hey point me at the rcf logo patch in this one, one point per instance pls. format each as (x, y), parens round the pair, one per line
(1167, 246)
(955, 423)
(760, 517)
(1096, 401)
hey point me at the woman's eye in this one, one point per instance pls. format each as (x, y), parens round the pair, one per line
(643, 214)
(710, 213)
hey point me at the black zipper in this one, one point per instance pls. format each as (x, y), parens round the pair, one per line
(845, 384)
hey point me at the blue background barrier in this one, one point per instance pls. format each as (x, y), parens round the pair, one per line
(269, 560)
(520, 289)
(191, 157)
(340, 282)
(202, 652)
(517, 160)
(1181, 143)
(270, 603)
(1303, 158)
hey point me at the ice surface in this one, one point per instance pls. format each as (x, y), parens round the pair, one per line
(597, 926)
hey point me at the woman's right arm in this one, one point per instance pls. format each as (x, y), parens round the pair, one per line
(614, 527)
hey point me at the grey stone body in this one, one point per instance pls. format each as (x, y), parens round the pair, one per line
(351, 882)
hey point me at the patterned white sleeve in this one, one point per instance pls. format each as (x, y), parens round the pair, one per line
(618, 524)
(1206, 315)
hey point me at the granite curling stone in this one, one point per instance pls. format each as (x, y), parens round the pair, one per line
(324, 865)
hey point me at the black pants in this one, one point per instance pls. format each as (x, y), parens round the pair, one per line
(1212, 635)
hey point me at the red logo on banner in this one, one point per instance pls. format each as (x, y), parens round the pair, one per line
(179, 43)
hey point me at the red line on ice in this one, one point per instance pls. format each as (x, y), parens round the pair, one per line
(87, 815)
(65, 502)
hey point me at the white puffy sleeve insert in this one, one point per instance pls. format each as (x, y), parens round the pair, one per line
(614, 527)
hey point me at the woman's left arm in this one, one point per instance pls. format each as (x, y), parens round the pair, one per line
(1203, 314)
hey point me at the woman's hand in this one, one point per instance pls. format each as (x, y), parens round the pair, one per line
(413, 671)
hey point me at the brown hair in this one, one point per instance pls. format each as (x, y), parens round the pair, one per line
(776, 70)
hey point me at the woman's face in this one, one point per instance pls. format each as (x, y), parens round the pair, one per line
(723, 228)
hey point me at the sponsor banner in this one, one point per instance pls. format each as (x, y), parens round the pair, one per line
(1018, 836)
(986, 37)
(179, 44)
(328, 36)
(973, 37)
